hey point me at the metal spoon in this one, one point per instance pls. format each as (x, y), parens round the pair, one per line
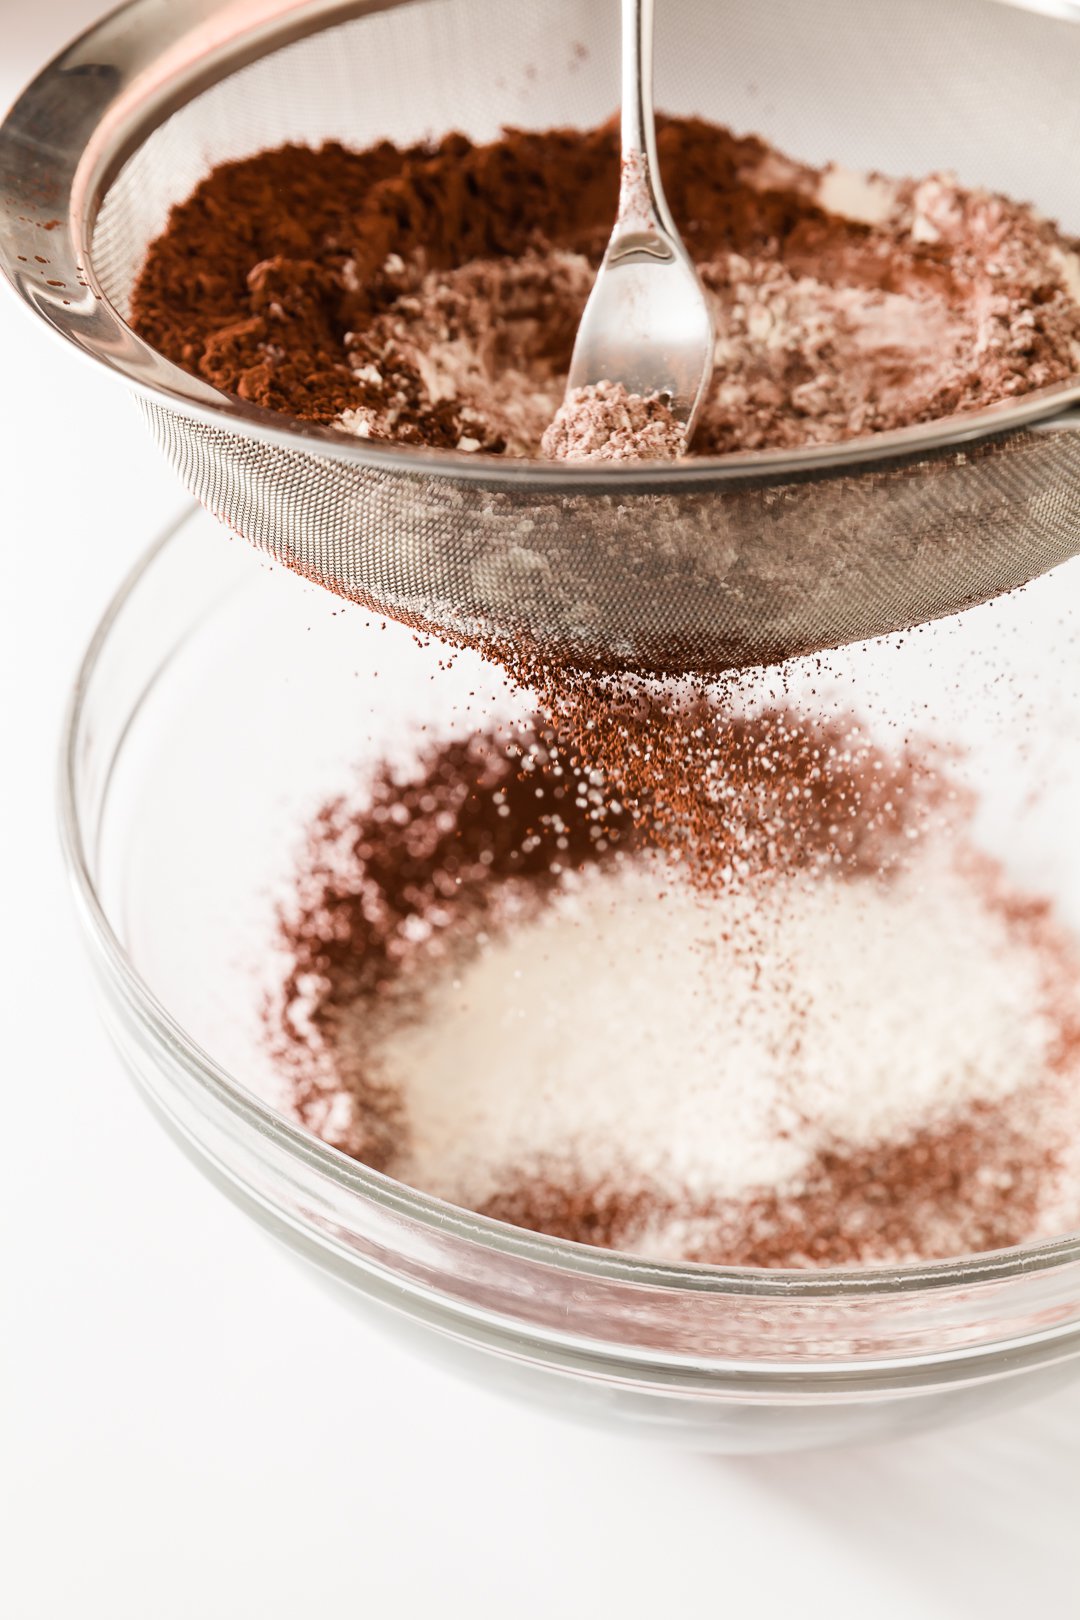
(647, 323)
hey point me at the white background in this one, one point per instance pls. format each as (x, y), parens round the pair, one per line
(189, 1429)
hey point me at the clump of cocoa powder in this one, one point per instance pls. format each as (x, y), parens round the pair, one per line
(487, 832)
(427, 860)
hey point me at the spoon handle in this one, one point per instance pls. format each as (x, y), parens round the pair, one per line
(642, 204)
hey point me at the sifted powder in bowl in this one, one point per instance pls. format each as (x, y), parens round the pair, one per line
(512, 990)
(626, 1034)
(669, 971)
(431, 295)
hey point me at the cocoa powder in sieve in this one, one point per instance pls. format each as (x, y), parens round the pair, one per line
(431, 295)
(440, 846)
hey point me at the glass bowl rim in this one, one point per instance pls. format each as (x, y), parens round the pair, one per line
(356, 1179)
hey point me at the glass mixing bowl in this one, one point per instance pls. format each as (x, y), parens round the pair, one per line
(221, 702)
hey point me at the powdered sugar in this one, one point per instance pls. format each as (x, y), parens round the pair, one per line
(721, 1043)
(475, 341)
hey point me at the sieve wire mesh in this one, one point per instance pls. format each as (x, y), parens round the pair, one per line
(704, 573)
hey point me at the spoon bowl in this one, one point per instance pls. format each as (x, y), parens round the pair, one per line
(647, 323)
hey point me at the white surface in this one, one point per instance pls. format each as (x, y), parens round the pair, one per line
(189, 1429)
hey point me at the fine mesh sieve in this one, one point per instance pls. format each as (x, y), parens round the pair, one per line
(706, 565)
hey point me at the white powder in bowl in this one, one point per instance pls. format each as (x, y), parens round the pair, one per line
(631, 1030)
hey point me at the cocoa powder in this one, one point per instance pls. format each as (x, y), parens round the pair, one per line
(487, 830)
(440, 846)
(430, 295)
(605, 422)
(730, 789)
(960, 1186)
